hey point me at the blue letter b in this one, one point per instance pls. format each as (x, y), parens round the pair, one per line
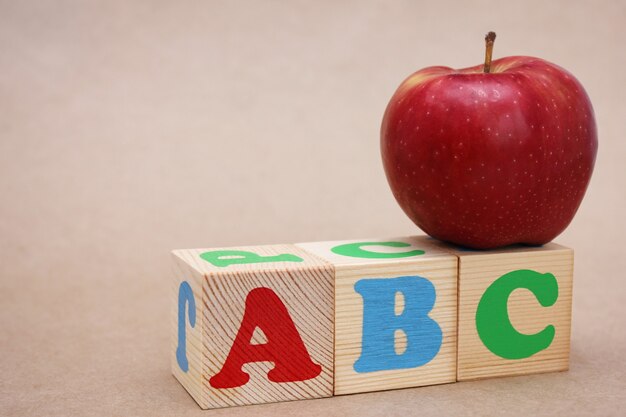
(380, 323)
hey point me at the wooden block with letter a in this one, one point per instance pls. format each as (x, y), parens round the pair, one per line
(395, 313)
(253, 325)
(515, 308)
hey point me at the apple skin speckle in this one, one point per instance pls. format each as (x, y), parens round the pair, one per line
(498, 159)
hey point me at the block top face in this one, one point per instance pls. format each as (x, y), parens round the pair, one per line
(463, 252)
(249, 258)
(374, 250)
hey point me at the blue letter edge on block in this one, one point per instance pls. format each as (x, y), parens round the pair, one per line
(185, 298)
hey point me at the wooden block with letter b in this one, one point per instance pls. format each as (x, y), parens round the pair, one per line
(395, 313)
(253, 325)
(514, 310)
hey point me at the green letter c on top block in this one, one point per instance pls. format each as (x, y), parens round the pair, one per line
(355, 250)
(492, 318)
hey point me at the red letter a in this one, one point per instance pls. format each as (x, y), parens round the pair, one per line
(284, 346)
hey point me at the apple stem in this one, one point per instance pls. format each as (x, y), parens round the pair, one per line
(489, 40)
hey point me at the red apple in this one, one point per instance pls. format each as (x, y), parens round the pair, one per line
(487, 159)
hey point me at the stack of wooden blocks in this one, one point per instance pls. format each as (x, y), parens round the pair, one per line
(286, 322)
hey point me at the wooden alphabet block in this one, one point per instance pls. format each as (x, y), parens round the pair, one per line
(253, 325)
(514, 310)
(395, 313)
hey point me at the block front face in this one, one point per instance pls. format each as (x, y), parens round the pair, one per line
(267, 324)
(395, 313)
(514, 311)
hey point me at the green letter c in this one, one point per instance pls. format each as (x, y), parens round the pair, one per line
(355, 250)
(492, 318)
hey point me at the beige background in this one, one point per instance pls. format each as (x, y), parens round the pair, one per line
(129, 128)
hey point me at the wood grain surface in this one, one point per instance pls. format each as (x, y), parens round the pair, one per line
(476, 273)
(306, 289)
